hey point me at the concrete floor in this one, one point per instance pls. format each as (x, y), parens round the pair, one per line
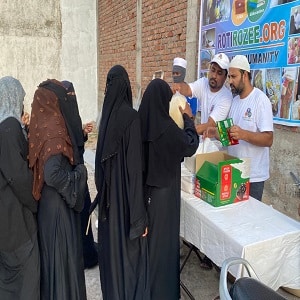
(202, 284)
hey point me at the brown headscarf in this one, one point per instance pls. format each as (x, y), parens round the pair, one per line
(47, 136)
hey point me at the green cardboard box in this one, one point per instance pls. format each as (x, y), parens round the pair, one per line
(223, 129)
(222, 179)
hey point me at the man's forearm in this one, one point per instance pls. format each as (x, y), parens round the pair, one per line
(183, 88)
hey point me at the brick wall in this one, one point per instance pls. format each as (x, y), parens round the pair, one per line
(116, 37)
(163, 38)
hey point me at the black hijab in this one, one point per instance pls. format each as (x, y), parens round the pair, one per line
(163, 140)
(117, 114)
(70, 111)
(154, 110)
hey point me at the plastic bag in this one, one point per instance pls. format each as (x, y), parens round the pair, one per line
(205, 146)
(208, 145)
(174, 112)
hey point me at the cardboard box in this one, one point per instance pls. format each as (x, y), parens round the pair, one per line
(222, 179)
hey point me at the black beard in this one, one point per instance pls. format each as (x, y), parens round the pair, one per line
(235, 91)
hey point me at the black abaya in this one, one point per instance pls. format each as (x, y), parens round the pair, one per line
(163, 240)
(90, 255)
(122, 211)
(59, 186)
(123, 253)
(164, 224)
(19, 252)
(165, 145)
(69, 108)
(62, 272)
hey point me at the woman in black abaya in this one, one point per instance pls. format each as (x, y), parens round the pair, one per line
(19, 251)
(165, 145)
(70, 109)
(118, 178)
(59, 185)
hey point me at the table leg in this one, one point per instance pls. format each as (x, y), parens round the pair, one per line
(191, 249)
(187, 290)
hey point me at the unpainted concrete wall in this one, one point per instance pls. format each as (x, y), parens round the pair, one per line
(78, 59)
(280, 190)
(51, 39)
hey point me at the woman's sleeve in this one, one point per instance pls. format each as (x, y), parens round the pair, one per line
(191, 137)
(69, 184)
(14, 164)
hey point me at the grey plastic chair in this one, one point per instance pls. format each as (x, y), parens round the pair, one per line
(244, 288)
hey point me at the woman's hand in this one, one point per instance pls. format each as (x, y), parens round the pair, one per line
(87, 128)
(25, 119)
(146, 232)
(211, 132)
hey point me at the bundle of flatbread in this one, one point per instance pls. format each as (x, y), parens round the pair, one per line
(174, 112)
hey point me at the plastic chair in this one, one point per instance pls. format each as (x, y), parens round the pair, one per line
(244, 288)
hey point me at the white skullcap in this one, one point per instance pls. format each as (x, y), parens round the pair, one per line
(178, 61)
(240, 62)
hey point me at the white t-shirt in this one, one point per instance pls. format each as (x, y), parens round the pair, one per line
(214, 105)
(253, 113)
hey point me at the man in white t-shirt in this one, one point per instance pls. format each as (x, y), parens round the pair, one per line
(251, 112)
(215, 99)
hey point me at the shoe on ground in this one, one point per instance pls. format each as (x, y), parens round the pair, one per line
(206, 263)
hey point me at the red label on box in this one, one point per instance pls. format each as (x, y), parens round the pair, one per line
(197, 188)
(226, 175)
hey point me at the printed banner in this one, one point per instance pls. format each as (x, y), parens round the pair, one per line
(268, 33)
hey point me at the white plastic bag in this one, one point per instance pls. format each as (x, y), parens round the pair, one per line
(174, 112)
(205, 146)
(208, 145)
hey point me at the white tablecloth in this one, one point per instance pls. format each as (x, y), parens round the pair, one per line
(268, 239)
